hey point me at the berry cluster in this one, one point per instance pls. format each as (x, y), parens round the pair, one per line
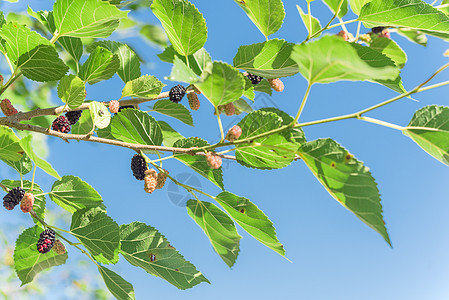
(46, 241)
(234, 133)
(381, 31)
(254, 78)
(150, 180)
(213, 160)
(114, 106)
(61, 124)
(26, 205)
(73, 116)
(154, 181)
(7, 108)
(276, 84)
(194, 102)
(13, 198)
(138, 166)
(177, 93)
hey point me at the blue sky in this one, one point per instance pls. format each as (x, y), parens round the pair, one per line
(334, 255)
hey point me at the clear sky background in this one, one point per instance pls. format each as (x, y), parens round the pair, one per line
(334, 255)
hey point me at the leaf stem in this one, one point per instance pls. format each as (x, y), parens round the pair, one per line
(382, 123)
(4, 187)
(32, 180)
(358, 32)
(11, 68)
(328, 25)
(303, 103)
(310, 20)
(220, 125)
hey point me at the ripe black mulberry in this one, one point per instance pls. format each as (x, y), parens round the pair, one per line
(254, 78)
(138, 166)
(46, 241)
(13, 198)
(73, 116)
(125, 107)
(177, 93)
(61, 124)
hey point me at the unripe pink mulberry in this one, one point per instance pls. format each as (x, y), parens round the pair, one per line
(229, 109)
(213, 160)
(7, 108)
(1, 80)
(194, 102)
(26, 205)
(150, 180)
(276, 84)
(234, 133)
(114, 105)
(161, 178)
(343, 34)
(59, 247)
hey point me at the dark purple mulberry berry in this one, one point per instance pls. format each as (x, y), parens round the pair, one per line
(13, 198)
(177, 93)
(46, 241)
(125, 107)
(73, 116)
(254, 78)
(138, 166)
(61, 124)
(377, 30)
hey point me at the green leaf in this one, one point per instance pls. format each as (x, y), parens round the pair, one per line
(297, 134)
(316, 26)
(389, 48)
(84, 125)
(100, 65)
(25, 142)
(347, 180)
(170, 136)
(98, 233)
(143, 246)
(10, 148)
(376, 59)
(269, 59)
(181, 72)
(174, 110)
(39, 201)
(137, 127)
(72, 194)
(129, 68)
(22, 166)
(100, 115)
(414, 36)
(415, 14)
(199, 162)
(271, 152)
(199, 61)
(119, 287)
(242, 105)
(86, 18)
(263, 87)
(252, 219)
(224, 85)
(28, 261)
(154, 34)
(143, 87)
(218, 227)
(34, 55)
(72, 45)
(183, 23)
(267, 15)
(71, 90)
(430, 130)
(331, 59)
(333, 5)
(356, 5)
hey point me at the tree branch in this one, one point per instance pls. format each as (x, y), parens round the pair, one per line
(54, 111)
